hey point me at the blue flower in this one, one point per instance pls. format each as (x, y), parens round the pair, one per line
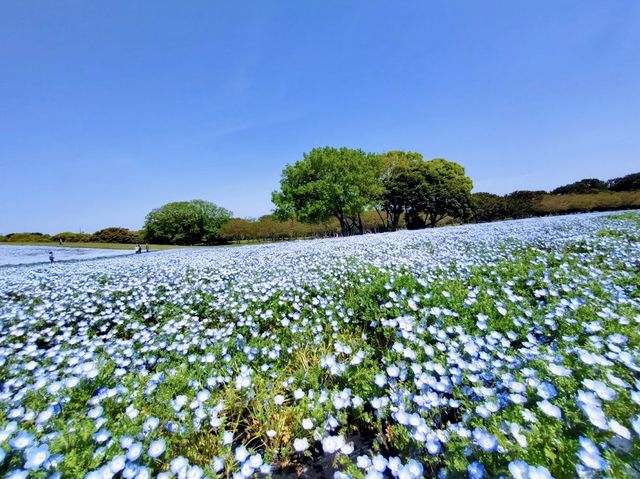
(475, 470)
(590, 456)
(486, 441)
(21, 441)
(300, 444)
(157, 448)
(36, 456)
(550, 409)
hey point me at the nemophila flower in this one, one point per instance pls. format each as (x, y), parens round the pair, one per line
(619, 429)
(227, 438)
(157, 448)
(380, 380)
(117, 463)
(590, 456)
(379, 463)
(558, 370)
(363, 462)
(35, 456)
(151, 424)
(194, 472)
(178, 464)
(134, 452)
(217, 464)
(44, 416)
(143, 473)
(21, 441)
(521, 470)
(179, 402)
(516, 432)
(476, 470)
(17, 474)
(603, 391)
(596, 415)
(246, 470)
(102, 436)
(278, 399)
(433, 445)
(331, 444)
(486, 441)
(300, 445)
(241, 453)
(126, 441)
(550, 409)
(130, 470)
(132, 412)
(347, 448)
(546, 390)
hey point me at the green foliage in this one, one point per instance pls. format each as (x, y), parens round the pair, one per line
(625, 183)
(269, 228)
(488, 207)
(117, 235)
(445, 190)
(523, 203)
(186, 223)
(25, 238)
(399, 180)
(426, 191)
(588, 185)
(327, 182)
(68, 236)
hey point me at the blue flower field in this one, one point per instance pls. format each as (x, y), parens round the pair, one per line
(507, 349)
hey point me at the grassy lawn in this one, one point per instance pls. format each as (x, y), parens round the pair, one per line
(53, 244)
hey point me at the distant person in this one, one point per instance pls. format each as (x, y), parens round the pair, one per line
(51, 256)
(60, 241)
(146, 247)
(138, 249)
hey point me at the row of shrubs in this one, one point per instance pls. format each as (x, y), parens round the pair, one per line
(107, 235)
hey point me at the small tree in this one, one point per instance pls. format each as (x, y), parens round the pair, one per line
(330, 182)
(186, 222)
(443, 190)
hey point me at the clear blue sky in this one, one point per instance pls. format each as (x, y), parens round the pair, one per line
(111, 108)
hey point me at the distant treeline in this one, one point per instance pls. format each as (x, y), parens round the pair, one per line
(107, 235)
(583, 196)
(586, 195)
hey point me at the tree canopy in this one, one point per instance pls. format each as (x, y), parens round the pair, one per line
(399, 181)
(588, 185)
(186, 223)
(338, 182)
(426, 191)
(625, 183)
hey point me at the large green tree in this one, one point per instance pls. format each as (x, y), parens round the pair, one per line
(339, 182)
(399, 181)
(444, 190)
(186, 223)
